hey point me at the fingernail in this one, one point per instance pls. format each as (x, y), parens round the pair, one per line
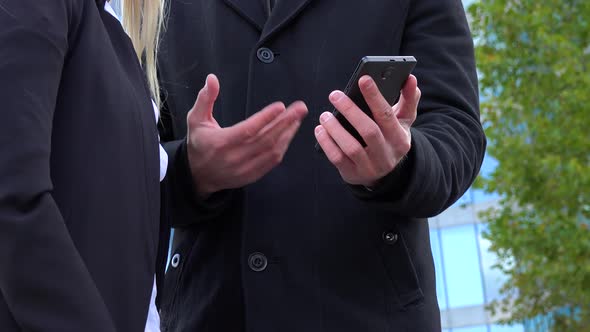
(325, 117)
(366, 81)
(319, 130)
(336, 95)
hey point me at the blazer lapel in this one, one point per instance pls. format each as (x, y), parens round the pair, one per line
(283, 12)
(251, 10)
(100, 4)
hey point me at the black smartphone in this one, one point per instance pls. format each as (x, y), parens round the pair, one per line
(389, 73)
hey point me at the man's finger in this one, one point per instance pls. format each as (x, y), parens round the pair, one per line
(285, 139)
(382, 111)
(300, 109)
(286, 126)
(295, 112)
(332, 151)
(406, 108)
(366, 127)
(349, 145)
(250, 127)
(263, 159)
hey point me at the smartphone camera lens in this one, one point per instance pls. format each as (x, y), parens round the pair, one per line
(387, 73)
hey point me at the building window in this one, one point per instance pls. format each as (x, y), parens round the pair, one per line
(481, 328)
(506, 328)
(441, 291)
(460, 257)
(493, 278)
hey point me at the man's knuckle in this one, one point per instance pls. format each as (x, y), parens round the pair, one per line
(336, 158)
(405, 145)
(249, 133)
(354, 150)
(387, 112)
(371, 131)
(269, 141)
(385, 168)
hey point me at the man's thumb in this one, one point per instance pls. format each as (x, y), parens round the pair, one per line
(203, 108)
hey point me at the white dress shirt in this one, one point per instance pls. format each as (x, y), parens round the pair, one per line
(153, 318)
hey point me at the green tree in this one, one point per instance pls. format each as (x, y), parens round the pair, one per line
(533, 58)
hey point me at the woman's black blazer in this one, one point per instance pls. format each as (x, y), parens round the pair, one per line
(79, 171)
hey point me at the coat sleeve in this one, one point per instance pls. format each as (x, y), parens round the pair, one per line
(43, 279)
(448, 142)
(181, 202)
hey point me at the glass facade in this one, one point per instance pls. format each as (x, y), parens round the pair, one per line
(465, 279)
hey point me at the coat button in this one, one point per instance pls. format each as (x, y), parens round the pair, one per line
(175, 260)
(265, 55)
(390, 237)
(257, 262)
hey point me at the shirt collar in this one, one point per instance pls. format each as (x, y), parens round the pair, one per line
(109, 9)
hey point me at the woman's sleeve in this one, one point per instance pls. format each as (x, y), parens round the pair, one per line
(43, 279)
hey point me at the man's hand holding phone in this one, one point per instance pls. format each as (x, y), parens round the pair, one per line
(388, 136)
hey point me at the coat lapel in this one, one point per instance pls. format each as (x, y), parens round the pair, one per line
(251, 10)
(283, 12)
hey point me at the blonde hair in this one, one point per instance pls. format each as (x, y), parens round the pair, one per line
(143, 20)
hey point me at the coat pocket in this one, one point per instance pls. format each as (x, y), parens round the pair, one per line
(399, 268)
(184, 242)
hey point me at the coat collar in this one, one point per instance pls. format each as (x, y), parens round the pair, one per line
(253, 11)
